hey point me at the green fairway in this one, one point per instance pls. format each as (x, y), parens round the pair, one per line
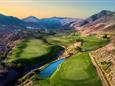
(92, 42)
(63, 40)
(31, 51)
(75, 71)
(89, 42)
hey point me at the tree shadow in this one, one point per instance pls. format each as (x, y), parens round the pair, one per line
(21, 47)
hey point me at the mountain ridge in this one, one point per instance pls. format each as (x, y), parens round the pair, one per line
(93, 17)
(102, 24)
(31, 19)
(32, 22)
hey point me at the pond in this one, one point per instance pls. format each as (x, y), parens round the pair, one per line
(50, 69)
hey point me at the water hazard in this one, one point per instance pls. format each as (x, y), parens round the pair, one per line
(50, 69)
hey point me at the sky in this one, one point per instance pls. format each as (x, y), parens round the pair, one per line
(51, 8)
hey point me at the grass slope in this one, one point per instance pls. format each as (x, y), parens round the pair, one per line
(63, 40)
(89, 42)
(92, 42)
(32, 51)
(75, 71)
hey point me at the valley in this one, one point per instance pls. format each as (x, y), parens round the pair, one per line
(70, 54)
(57, 51)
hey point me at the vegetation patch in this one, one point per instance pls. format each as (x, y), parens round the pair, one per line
(92, 42)
(63, 40)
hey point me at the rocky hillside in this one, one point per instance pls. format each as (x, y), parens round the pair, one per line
(101, 22)
(105, 57)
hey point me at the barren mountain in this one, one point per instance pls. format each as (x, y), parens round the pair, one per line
(104, 24)
(104, 21)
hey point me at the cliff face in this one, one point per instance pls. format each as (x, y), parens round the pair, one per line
(7, 42)
(7, 73)
(105, 57)
(71, 49)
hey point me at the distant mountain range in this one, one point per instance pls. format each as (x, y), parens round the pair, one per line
(31, 19)
(32, 22)
(50, 23)
(10, 22)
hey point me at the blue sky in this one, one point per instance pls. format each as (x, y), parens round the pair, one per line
(49, 8)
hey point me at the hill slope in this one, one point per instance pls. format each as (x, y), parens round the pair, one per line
(10, 22)
(103, 21)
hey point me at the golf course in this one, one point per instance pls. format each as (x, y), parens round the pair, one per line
(76, 70)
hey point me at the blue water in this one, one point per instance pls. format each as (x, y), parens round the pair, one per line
(50, 69)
